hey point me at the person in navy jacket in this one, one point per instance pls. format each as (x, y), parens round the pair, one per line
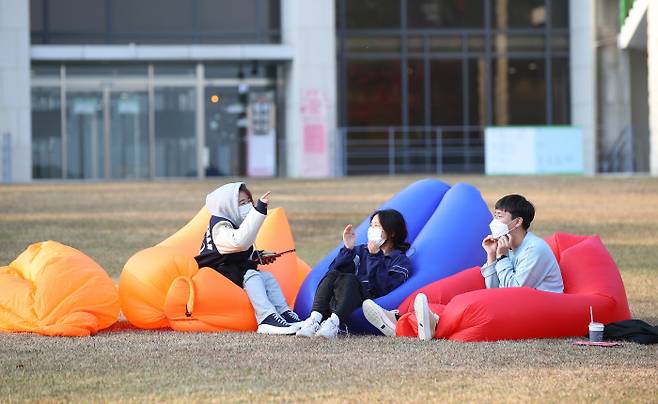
(366, 271)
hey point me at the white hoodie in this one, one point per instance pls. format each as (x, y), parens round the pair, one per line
(223, 202)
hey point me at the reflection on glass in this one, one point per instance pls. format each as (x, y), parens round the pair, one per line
(175, 132)
(129, 133)
(46, 133)
(372, 14)
(520, 92)
(85, 140)
(519, 14)
(560, 13)
(223, 140)
(367, 44)
(445, 13)
(446, 100)
(373, 93)
(416, 100)
(476, 92)
(168, 22)
(560, 84)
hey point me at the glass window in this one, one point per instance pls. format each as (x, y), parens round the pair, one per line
(175, 132)
(36, 15)
(229, 71)
(560, 13)
(504, 43)
(518, 14)
(106, 70)
(164, 16)
(416, 101)
(476, 92)
(85, 148)
(244, 16)
(174, 71)
(519, 91)
(372, 14)
(560, 84)
(224, 133)
(46, 133)
(45, 71)
(446, 92)
(129, 149)
(374, 93)
(76, 16)
(445, 13)
(372, 44)
(560, 43)
(155, 21)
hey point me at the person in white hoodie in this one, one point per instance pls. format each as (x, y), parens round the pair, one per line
(228, 248)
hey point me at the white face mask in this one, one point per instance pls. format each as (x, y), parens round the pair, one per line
(498, 229)
(245, 209)
(375, 235)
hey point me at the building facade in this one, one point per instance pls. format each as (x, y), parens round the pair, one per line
(114, 89)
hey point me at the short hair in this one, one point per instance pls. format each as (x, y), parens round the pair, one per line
(517, 206)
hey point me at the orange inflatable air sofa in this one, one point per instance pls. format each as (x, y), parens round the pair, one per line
(53, 289)
(163, 286)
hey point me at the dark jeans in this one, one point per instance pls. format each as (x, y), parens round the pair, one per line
(340, 293)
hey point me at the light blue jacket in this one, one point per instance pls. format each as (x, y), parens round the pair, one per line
(531, 264)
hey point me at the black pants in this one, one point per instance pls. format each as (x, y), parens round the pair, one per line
(340, 293)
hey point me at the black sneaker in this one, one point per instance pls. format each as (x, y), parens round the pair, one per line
(275, 324)
(291, 317)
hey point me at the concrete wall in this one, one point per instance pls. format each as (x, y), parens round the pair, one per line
(309, 28)
(15, 111)
(652, 62)
(613, 79)
(639, 108)
(582, 55)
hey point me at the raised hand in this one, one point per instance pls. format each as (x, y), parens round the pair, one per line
(490, 245)
(504, 245)
(349, 237)
(265, 198)
(373, 247)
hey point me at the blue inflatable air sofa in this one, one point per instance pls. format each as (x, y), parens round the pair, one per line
(446, 226)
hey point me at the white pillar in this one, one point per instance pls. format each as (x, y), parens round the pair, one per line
(309, 28)
(652, 61)
(15, 112)
(582, 53)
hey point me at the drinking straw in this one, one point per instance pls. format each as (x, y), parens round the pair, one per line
(591, 315)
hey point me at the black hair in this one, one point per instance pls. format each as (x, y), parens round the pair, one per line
(395, 227)
(244, 189)
(517, 206)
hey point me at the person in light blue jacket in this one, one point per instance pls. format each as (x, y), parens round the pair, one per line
(515, 256)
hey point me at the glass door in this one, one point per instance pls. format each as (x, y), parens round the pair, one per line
(129, 135)
(225, 112)
(84, 140)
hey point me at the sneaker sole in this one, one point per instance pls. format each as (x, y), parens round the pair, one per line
(327, 336)
(301, 334)
(276, 330)
(374, 316)
(422, 310)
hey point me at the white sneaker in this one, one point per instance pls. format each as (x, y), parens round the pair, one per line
(328, 328)
(384, 320)
(308, 328)
(427, 321)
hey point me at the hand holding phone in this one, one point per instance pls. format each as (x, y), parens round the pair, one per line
(268, 257)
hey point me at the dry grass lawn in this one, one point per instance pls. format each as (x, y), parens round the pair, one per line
(111, 221)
